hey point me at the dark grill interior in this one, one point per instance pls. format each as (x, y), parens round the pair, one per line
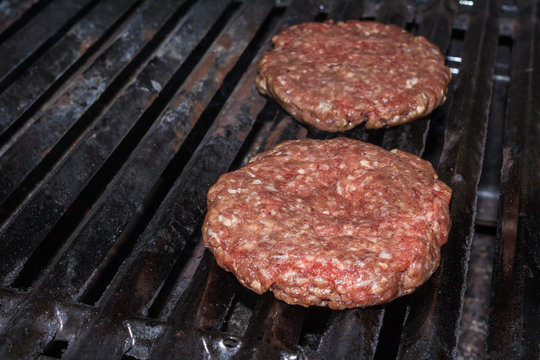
(117, 116)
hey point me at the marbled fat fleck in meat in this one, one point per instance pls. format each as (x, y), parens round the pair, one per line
(338, 223)
(336, 76)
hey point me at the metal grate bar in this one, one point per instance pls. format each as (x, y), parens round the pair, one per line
(351, 332)
(70, 260)
(13, 12)
(57, 125)
(125, 194)
(273, 331)
(9, 300)
(59, 61)
(204, 332)
(16, 233)
(174, 125)
(87, 159)
(171, 128)
(432, 324)
(514, 325)
(285, 129)
(225, 133)
(189, 343)
(217, 300)
(34, 34)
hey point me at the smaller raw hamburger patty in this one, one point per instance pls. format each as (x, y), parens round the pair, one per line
(338, 223)
(336, 76)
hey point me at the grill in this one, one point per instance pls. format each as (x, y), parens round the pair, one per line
(117, 116)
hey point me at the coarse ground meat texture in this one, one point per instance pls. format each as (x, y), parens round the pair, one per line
(338, 223)
(336, 76)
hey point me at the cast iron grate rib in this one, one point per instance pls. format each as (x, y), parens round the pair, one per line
(117, 116)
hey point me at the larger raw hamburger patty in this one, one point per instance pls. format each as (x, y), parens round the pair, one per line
(335, 222)
(336, 76)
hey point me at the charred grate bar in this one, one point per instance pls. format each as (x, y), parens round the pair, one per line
(117, 116)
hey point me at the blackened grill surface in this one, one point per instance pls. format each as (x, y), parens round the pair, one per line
(117, 116)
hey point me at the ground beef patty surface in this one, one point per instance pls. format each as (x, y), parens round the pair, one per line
(338, 223)
(336, 76)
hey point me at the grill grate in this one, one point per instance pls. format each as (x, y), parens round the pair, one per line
(117, 116)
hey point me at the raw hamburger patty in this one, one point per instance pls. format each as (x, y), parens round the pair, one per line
(336, 76)
(335, 222)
